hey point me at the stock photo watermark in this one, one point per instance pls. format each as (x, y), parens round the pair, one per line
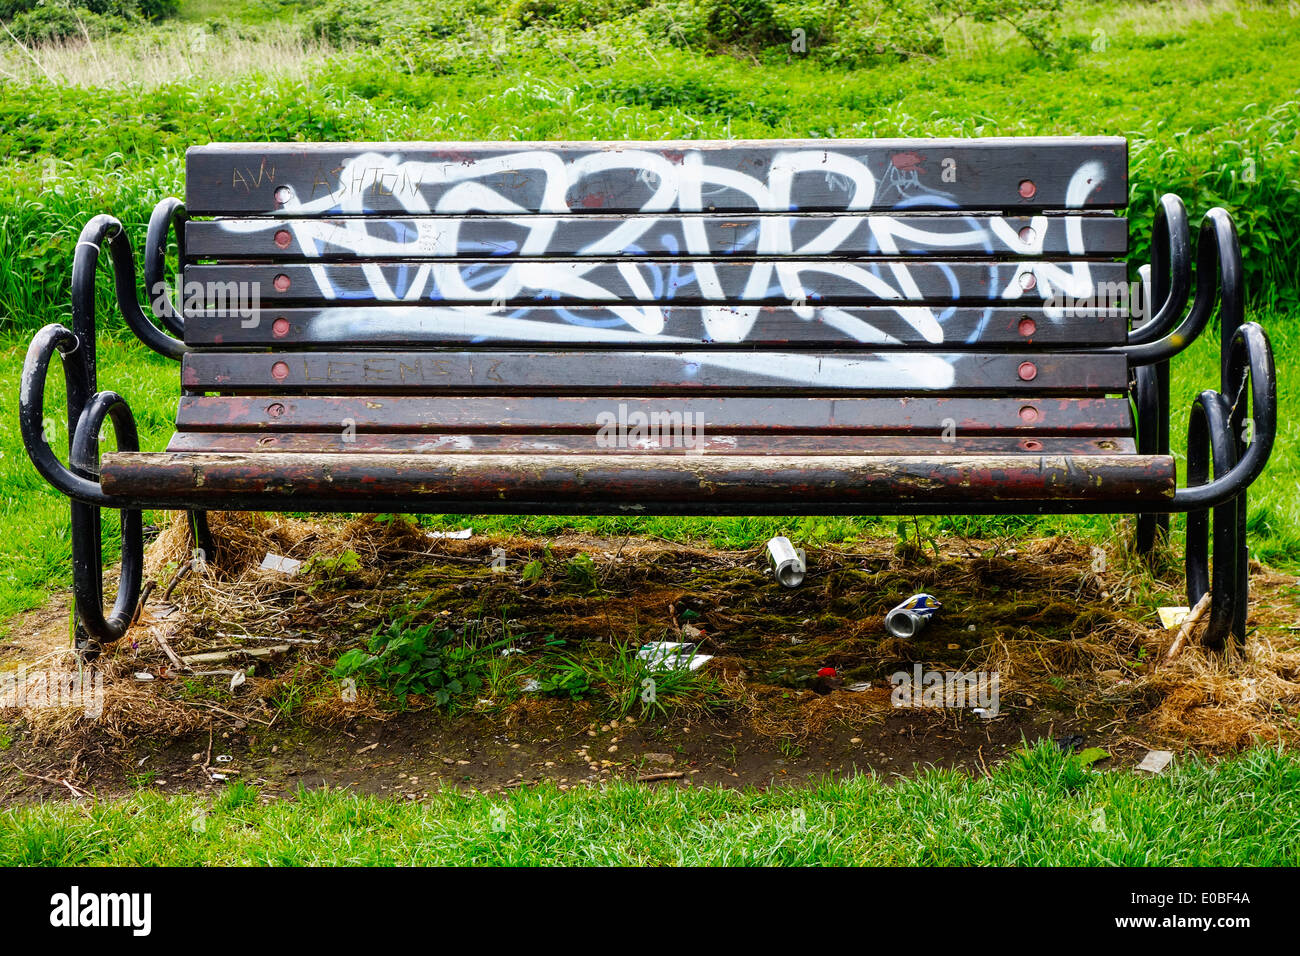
(25, 689)
(232, 299)
(974, 690)
(627, 428)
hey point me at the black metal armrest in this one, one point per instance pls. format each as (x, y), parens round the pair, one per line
(1248, 363)
(1218, 281)
(168, 213)
(75, 479)
(1170, 247)
(76, 349)
(96, 233)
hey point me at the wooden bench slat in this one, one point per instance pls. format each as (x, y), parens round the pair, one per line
(693, 176)
(626, 373)
(1096, 236)
(986, 327)
(708, 443)
(1038, 416)
(639, 481)
(814, 282)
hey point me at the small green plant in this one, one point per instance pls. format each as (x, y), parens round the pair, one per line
(632, 684)
(424, 659)
(143, 779)
(583, 572)
(335, 571)
(566, 677)
(913, 533)
(289, 696)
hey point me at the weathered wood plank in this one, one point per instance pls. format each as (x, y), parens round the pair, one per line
(818, 234)
(627, 373)
(315, 179)
(637, 479)
(1038, 416)
(986, 327)
(685, 441)
(534, 282)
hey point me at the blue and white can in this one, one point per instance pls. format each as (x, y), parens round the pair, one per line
(912, 615)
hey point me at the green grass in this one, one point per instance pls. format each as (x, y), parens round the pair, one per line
(1039, 808)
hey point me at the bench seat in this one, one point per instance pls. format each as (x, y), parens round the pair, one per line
(652, 484)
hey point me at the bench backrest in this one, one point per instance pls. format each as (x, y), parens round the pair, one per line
(933, 289)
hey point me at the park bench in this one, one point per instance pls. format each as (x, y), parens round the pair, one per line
(760, 328)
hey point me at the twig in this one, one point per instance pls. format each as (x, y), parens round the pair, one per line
(144, 597)
(207, 760)
(158, 635)
(442, 557)
(220, 710)
(214, 657)
(1189, 622)
(184, 569)
(665, 775)
(269, 637)
(75, 790)
(614, 560)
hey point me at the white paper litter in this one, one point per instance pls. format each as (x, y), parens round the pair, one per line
(1172, 616)
(1156, 760)
(462, 534)
(672, 656)
(278, 562)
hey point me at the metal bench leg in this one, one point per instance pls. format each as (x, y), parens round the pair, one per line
(91, 629)
(1209, 440)
(201, 538)
(1151, 529)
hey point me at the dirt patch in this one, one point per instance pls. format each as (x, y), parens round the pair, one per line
(37, 634)
(538, 641)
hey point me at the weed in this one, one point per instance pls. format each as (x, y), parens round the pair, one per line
(418, 659)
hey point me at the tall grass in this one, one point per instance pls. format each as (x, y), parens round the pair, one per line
(192, 53)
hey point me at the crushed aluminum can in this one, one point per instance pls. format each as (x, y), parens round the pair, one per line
(787, 562)
(912, 615)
